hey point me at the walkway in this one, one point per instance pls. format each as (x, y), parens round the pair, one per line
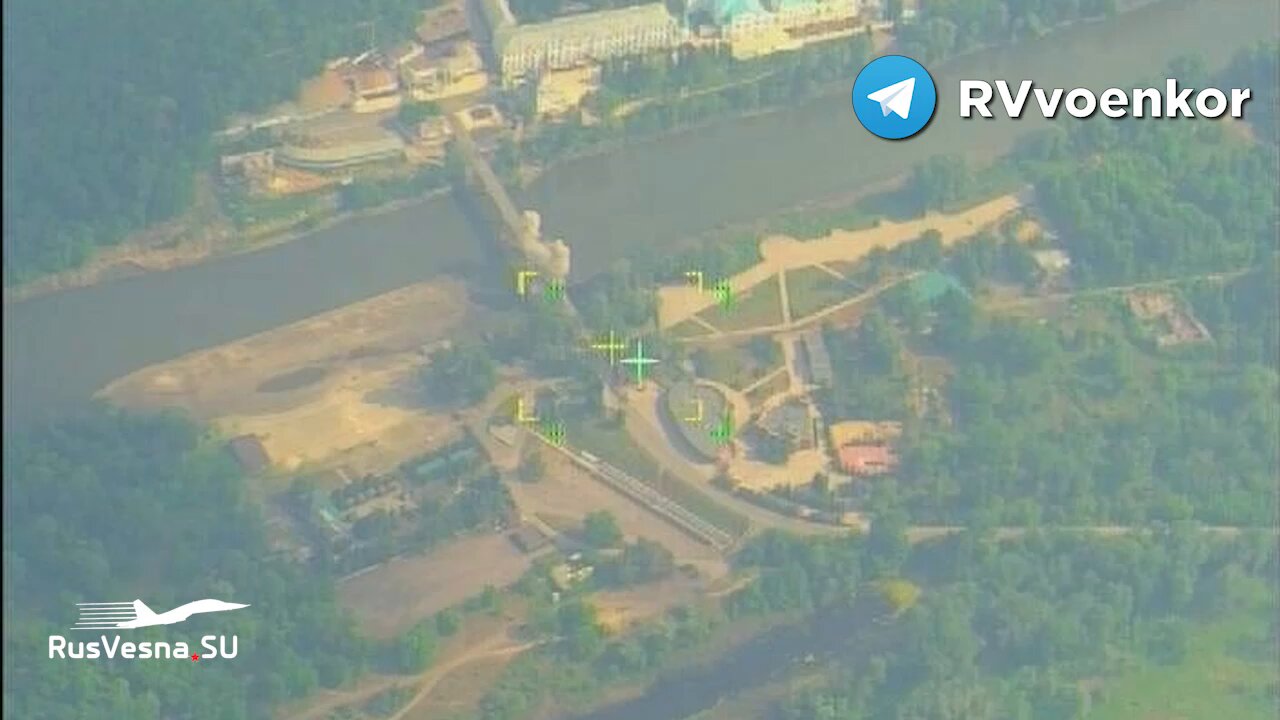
(778, 253)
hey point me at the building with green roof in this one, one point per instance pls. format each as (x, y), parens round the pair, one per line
(933, 285)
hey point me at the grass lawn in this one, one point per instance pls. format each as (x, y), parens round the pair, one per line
(1229, 671)
(614, 446)
(732, 365)
(757, 396)
(688, 329)
(757, 308)
(813, 289)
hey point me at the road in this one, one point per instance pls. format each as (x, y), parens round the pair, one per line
(494, 646)
(645, 427)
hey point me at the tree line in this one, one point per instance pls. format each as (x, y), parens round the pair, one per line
(114, 142)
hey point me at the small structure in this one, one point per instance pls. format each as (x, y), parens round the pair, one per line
(867, 460)
(864, 432)
(560, 92)
(405, 52)
(1173, 324)
(250, 453)
(444, 71)
(817, 358)
(529, 538)
(790, 422)
(375, 87)
(338, 143)
(1052, 262)
(442, 23)
(248, 164)
(933, 285)
(567, 574)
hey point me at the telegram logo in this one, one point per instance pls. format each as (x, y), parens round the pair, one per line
(894, 97)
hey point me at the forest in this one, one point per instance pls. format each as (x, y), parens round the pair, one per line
(114, 144)
(111, 506)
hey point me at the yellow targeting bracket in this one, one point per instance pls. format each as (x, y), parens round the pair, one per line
(695, 278)
(697, 416)
(521, 415)
(611, 347)
(522, 281)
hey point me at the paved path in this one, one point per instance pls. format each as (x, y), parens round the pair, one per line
(778, 253)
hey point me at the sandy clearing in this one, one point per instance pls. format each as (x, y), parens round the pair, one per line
(336, 387)
(779, 253)
(225, 379)
(391, 598)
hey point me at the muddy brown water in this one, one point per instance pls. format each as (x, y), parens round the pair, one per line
(645, 197)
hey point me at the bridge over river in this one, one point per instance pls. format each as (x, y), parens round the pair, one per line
(522, 231)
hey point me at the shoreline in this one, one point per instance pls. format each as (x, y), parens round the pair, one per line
(153, 260)
(123, 269)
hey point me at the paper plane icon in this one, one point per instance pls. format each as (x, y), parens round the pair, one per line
(896, 98)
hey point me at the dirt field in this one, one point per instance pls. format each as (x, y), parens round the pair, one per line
(337, 387)
(460, 691)
(678, 303)
(798, 470)
(390, 599)
(569, 491)
(618, 610)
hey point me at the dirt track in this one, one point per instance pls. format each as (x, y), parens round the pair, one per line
(678, 303)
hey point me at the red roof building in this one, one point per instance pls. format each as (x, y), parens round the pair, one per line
(864, 460)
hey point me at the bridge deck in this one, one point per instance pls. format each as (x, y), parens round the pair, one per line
(489, 182)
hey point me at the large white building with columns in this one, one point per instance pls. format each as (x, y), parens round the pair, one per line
(578, 39)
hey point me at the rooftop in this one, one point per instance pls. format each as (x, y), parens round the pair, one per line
(586, 26)
(933, 285)
(791, 419)
(442, 23)
(724, 12)
(853, 432)
(867, 459)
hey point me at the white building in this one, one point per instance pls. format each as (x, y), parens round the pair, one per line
(578, 39)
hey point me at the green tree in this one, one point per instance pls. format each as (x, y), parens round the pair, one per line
(600, 529)
(459, 374)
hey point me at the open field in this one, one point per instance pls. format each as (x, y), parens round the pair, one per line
(391, 598)
(459, 692)
(758, 306)
(677, 303)
(618, 610)
(811, 289)
(336, 387)
(768, 386)
(732, 365)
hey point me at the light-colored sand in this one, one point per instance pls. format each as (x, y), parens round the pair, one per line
(345, 382)
(799, 470)
(678, 303)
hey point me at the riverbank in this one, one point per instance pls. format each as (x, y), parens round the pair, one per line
(137, 256)
(133, 257)
(654, 198)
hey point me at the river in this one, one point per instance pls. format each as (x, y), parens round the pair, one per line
(646, 197)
